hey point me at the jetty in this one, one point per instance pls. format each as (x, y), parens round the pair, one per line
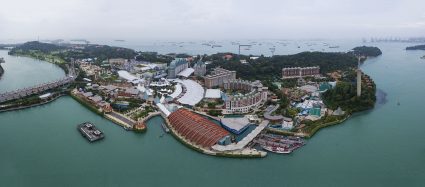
(90, 132)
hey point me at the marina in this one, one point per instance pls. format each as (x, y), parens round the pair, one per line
(278, 143)
(90, 132)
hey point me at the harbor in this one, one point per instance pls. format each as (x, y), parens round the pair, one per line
(279, 144)
(90, 132)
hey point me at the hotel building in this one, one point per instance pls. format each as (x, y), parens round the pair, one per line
(295, 72)
(243, 103)
(218, 76)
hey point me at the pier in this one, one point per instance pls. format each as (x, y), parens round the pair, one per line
(21, 93)
(90, 132)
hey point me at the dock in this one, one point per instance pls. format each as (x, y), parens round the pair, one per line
(90, 132)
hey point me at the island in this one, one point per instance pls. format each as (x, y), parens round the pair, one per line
(416, 47)
(221, 104)
(367, 51)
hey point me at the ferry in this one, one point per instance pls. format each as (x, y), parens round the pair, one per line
(90, 132)
(273, 149)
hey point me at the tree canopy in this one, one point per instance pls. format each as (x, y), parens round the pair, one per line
(367, 51)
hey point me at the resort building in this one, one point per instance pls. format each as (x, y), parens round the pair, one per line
(176, 66)
(117, 62)
(218, 76)
(197, 129)
(200, 68)
(295, 72)
(255, 95)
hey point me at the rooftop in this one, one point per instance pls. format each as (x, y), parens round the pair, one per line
(186, 72)
(235, 124)
(194, 92)
(213, 93)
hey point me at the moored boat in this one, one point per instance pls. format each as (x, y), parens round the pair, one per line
(165, 128)
(274, 149)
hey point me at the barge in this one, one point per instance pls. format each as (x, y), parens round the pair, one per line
(90, 132)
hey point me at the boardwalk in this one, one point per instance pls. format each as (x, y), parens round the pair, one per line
(20, 93)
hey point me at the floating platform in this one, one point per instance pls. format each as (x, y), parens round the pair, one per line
(90, 132)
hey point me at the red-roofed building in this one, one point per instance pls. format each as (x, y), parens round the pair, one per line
(196, 128)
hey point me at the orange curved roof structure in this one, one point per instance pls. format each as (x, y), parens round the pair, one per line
(196, 128)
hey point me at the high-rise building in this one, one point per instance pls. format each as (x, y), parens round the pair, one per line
(218, 76)
(255, 94)
(295, 72)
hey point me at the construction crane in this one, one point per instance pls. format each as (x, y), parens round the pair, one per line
(242, 46)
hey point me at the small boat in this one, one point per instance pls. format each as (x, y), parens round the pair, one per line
(165, 128)
(423, 57)
(398, 103)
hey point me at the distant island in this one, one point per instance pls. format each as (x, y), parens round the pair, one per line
(416, 47)
(367, 51)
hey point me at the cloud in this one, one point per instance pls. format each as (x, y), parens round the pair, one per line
(209, 19)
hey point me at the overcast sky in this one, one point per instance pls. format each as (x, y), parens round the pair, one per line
(210, 19)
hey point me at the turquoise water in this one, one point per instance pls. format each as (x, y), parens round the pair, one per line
(21, 72)
(382, 147)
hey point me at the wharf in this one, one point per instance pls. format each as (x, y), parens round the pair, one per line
(90, 132)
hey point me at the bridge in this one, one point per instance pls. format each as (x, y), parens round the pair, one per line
(20, 93)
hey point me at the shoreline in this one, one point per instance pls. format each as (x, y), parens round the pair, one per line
(33, 105)
(100, 113)
(313, 132)
(232, 154)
